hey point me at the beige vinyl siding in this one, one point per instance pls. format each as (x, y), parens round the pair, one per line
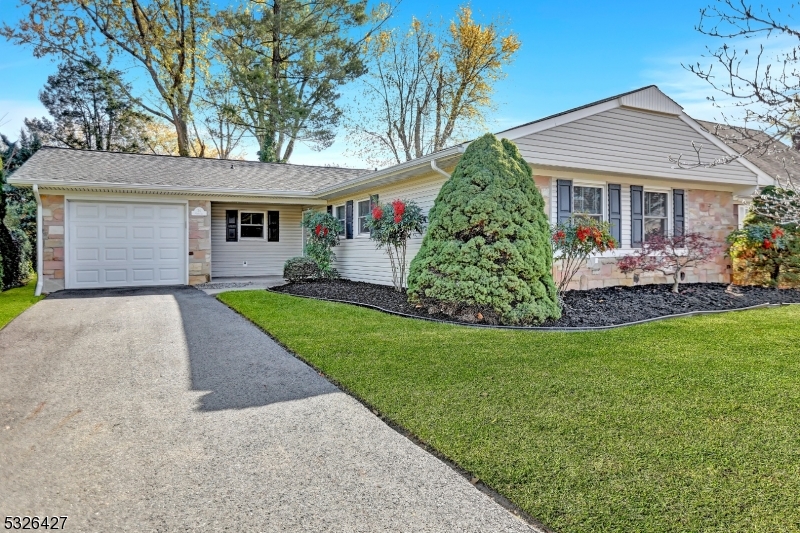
(263, 258)
(628, 141)
(356, 258)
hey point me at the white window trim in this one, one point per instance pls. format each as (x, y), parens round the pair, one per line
(596, 185)
(263, 226)
(670, 207)
(342, 220)
(357, 229)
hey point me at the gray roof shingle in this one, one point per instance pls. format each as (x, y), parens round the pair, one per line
(63, 165)
(769, 156)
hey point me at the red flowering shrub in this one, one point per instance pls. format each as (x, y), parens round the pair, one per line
(575, 240)
(670, 255)
(323, 235)
(391, 226)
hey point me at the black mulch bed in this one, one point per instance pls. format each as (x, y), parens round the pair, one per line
(597, 307)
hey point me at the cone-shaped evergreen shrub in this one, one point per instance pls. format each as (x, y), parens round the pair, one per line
(487, 248)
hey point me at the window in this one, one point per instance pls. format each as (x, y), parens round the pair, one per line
(273, 226)
(363, 213)
(655, 214)
(588, 201)
(251, 225)
(339, 212)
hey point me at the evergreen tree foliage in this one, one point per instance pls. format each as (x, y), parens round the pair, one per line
(488, 244)
(91, 109)
(20, 203)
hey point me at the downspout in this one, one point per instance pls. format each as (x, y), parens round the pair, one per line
(39, 243)
(439, 170)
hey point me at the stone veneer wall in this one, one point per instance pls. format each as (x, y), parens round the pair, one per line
(707, 212)
(52, 242)
(199, 242)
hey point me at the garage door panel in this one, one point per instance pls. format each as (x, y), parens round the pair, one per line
(87, 232)
(116, 232)
(87, 276)
(87, 254)
(87, 211)
(144, 232)
(143, 254)
(143, 213)
(168, 252)
(116, 254)
(116, 275)
(170, 213)
(169, 274)
(117, 244)
(116, 212)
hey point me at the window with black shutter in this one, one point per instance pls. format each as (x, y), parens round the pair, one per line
(231, 225)
(637, 212)
(564, 200)
(679, 219)
(348, 220)
(615, 211)
(273, 226)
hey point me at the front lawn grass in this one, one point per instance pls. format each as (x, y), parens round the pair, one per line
(682, 425)
(14, 301)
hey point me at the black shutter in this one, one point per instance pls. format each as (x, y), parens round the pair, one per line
(615, 211)
(232, 226)
(564, 200)
(373, 201)
(273, 226)
(348, 220)
(637, 216)
(678, 222)
(330, 209)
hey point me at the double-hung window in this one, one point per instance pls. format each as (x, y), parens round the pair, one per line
(340, 211)
(363, 213)
(251, 225)
(655, 214)
(588, 202)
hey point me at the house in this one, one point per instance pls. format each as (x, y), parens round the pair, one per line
(118, 220)
(779, 161)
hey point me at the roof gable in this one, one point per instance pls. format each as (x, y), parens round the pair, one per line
(627, 140)
(650, 99)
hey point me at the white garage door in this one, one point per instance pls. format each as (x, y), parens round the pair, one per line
(125, 244)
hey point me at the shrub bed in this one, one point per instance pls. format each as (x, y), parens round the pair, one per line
(597, 307)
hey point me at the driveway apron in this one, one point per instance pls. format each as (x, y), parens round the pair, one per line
(161, 409)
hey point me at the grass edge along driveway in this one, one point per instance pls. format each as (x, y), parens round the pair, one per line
(14, 301)
(681, 425)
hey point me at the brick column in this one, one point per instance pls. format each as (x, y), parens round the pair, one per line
(199, 241)
(52, 242)
(711, 213)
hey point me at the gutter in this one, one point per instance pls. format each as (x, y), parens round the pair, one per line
(436, 168)
(39, 243)
(163, 188)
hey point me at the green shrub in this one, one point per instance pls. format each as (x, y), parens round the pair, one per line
(765, 254)
(487, 250)
(301, 269)
(323, 234)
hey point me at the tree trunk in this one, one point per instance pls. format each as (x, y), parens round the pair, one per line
(182, 129)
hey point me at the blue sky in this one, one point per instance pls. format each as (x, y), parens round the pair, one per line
(573, 52)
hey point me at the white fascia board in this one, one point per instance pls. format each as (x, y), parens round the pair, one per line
(422, 164)
(762, 177)
(560, 120)
(305, 196)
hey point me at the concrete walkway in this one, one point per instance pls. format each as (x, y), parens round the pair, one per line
(162, 410)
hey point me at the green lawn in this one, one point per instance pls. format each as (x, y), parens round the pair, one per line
(682, 425)
(15, 301)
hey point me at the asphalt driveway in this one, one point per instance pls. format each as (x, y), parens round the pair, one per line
(161, 409)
